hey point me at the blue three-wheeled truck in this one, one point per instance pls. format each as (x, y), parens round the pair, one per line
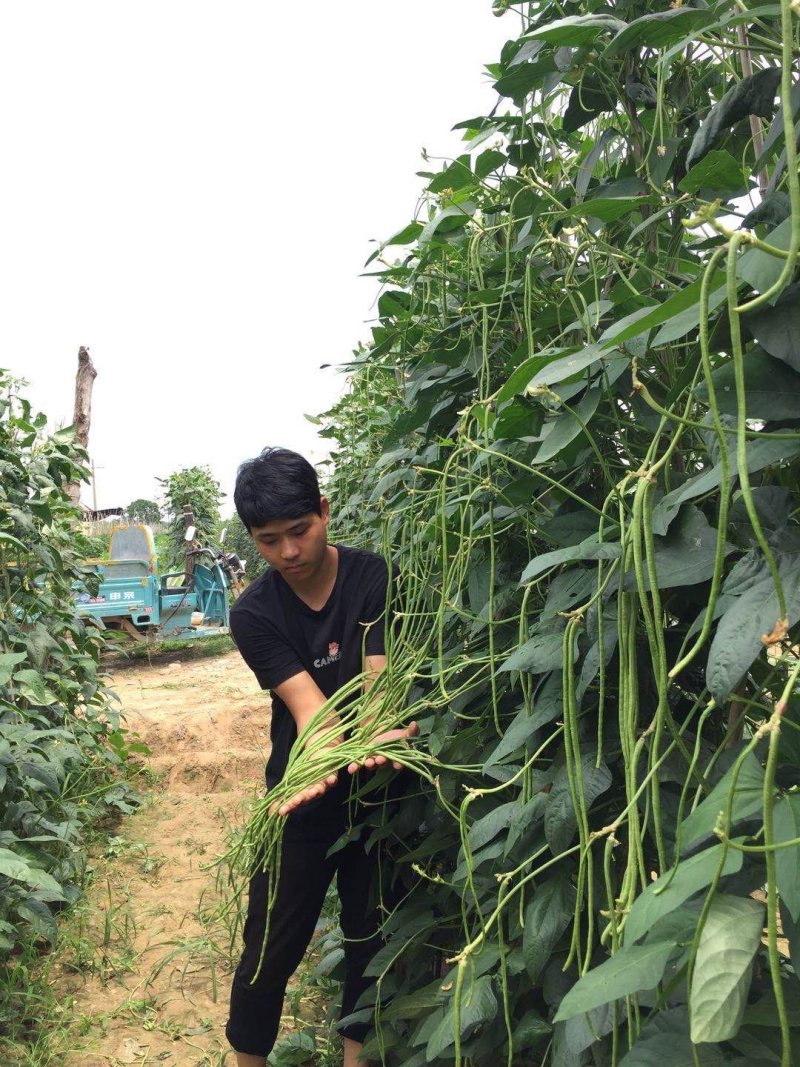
(133, 597)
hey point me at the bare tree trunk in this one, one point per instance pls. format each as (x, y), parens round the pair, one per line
(82, 418)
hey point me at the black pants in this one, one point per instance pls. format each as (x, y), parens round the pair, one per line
(305, 874)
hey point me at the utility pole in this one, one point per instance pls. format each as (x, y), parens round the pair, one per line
(94, 485)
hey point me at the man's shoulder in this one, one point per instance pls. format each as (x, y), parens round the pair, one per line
(361, 559)
(256, 597)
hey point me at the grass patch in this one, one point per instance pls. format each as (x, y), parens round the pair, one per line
(133, 653)
(38, 1022)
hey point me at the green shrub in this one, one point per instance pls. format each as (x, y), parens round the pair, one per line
(197, 487)
(61, 744)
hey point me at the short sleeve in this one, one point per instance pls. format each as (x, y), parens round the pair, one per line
(268, 655)
(373, 614)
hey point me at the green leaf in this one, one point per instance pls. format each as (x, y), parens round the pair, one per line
(760, 269)
(658, 30)
(542, 653)
(294, 1050)
(747, 800)
(524, 78)
(488, 162)
(568, 590)
(530, 1029)
(753, 95)
(610, 208)
(9, 539)
(520, 378)
(522, 728)
(420, 1002)
(456, 176)
(521, 418)
(546, 918)
(686, 321)
(32, 687)
(679, 311)
(776, 137)
(528, 51)
(576, 29)
(777, 328)
(573, 1037)
(748, 618)
(567, 426)
(530, 815)
(633, 969)
(39, 643)
(591, 548)
(14, 867)
(759, 454)
(764, 1012)
(773, 209)
(730, 939)
(773, 504)
(455, 215)
(771, 388)
(41, 919)
(664, 1042)
(46, 773)
(685, 556)
(499, 818)
(717, 171)
(761, 1047)
(568, 366)
(478, 1005)
(787, 860)
(590, 162)
(329, 961)
(588, 99)
(560, 819)
(8, 661)
(674, 887)
(408, 235)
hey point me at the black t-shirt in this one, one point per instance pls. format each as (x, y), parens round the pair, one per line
(279, 636)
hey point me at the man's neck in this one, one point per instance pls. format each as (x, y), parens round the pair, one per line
(315, 589)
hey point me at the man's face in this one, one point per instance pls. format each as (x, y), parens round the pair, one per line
(295, 547)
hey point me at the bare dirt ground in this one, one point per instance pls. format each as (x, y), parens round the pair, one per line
(146, 969)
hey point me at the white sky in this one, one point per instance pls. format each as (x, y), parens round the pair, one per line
(191, 189)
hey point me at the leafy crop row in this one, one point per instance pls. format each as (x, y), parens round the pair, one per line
(577, 429)
(60, 738)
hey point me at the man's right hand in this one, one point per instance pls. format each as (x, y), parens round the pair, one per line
(304, 699)
(306, 795)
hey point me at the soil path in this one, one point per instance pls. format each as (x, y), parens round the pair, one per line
(146, 968)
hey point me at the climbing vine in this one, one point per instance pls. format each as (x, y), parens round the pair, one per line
(577, 431)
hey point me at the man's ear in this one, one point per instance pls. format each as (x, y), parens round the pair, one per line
(324, 509)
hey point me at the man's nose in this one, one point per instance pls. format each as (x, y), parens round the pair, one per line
(288, 549)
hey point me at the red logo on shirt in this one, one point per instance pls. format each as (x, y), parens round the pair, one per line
(334, 655)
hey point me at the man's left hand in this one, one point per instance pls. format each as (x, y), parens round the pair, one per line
(379, 740)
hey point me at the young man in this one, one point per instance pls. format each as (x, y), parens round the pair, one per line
(311, 623)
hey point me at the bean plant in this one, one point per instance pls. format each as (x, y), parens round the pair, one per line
(576, 431)
(197, 487)
(61, 744)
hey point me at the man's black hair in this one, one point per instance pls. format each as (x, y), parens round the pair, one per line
(277, 484)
